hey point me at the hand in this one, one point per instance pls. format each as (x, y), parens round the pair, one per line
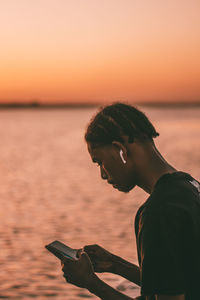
(102, 260)
(79, 272)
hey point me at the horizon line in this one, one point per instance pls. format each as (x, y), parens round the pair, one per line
(86, 104)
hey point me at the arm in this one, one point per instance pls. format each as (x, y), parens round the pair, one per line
(106, 292)
(161, 237)
(104, 261)
(126, 269)
(80, 272)
(167, 297)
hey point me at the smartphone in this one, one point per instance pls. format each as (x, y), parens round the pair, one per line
(61, 251)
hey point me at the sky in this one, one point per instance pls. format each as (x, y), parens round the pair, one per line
(99, 50)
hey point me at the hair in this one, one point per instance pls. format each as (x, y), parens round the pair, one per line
(114, 121)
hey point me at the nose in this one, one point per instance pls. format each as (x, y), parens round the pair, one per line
(103, 173)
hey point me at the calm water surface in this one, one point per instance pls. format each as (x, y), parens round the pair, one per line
(49, 189)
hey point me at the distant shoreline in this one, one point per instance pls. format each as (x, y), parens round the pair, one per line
(37, 105)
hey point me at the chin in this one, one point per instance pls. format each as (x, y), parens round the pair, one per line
(125, 189)
(128, 188)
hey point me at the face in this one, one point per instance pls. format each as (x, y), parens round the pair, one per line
(112, 167)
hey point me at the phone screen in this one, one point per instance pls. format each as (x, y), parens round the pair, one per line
(61, 250)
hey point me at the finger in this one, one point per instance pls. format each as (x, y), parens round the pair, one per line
(67, 279)
(66, 267)
(67, 263)
(85, 257)
(79, 251)
(90, 248)
(62, 261)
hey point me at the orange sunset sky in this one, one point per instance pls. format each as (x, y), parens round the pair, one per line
(99, 50)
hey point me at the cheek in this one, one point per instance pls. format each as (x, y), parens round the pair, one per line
(113, 169)
(125, 177)
(119, 175)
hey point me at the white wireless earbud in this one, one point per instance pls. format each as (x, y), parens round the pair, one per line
(121, 155)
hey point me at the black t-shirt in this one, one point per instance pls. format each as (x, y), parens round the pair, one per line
(167, 228)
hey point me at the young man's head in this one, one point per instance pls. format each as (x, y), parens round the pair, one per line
(115, 137)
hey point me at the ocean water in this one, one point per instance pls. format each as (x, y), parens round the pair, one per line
(49, 189)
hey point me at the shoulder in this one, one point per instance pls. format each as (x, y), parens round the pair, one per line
(175, 191)
(175, 200)
(165, 211)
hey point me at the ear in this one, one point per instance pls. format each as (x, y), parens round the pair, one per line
(119, 146)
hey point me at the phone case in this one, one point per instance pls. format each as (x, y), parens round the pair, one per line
(60, 250)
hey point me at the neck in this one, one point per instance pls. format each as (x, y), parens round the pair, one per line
(153, 166)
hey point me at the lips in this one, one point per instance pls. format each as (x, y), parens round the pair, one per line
(113, 184)
(110, 182)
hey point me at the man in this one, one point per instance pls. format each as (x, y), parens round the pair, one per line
(167, 225)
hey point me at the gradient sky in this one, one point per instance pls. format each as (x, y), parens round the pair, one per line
(99, 50)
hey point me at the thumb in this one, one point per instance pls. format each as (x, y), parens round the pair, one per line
(62, 261)
(85, 257)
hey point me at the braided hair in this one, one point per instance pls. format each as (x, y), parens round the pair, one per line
(114, 121)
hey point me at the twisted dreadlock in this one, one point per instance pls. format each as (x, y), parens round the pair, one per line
(117, 120)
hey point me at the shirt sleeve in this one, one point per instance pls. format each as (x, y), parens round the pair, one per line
(163, 243)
